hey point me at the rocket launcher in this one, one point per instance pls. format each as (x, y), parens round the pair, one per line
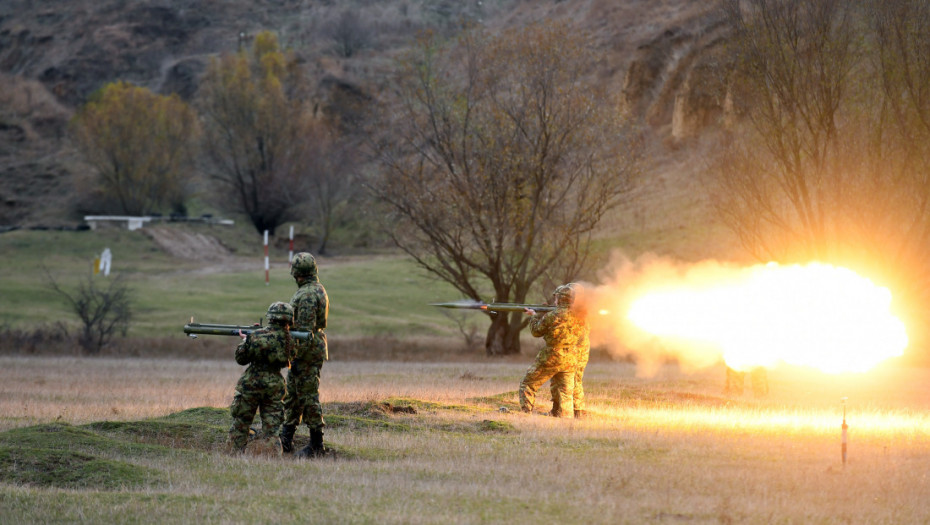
(496, 307)
(192, 329)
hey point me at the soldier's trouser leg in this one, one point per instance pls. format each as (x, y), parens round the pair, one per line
(759, 378)
(292, 408)
(271, 410)
(735, 382)
(302, 401)
(535, 376)
(310, 399)
(562, 388)
(243, 412)
(578, 397)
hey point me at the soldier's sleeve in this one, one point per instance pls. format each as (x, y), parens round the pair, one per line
(539, 325)
(324, 309)
(295, 304)
(320, 308)
(243, 351)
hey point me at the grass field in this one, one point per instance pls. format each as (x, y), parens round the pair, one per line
(370, 296)
(138, 441)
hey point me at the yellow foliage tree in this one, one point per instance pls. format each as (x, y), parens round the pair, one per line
(141, 144)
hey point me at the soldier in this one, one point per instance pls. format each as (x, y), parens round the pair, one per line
(563, 330)
(302, 402)
(582, 353)
(261, 387)
(758, 376)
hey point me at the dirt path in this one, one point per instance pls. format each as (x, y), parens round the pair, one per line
(186, 244)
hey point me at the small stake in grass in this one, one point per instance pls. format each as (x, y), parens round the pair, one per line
(845, 427)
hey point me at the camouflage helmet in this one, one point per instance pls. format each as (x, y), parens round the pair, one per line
(280, 312)
(303, 265)
(567, 294)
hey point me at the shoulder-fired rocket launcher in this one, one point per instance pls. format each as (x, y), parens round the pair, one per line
(496, 307)
(192, 329)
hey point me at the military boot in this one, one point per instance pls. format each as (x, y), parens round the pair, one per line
(316, 441)
(580, 414)
(287, 438)
(315, 448)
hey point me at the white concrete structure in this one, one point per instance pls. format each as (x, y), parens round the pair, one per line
(132, 223)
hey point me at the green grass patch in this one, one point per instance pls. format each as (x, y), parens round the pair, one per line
(174, 435)
(200, 415)
(485, 426)
(364, 423)
(201, 428)
(508, 400)
(490, 425)
(70, 469)
(59, 455)
(56, 436)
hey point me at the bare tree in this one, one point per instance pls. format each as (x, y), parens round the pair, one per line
(350, 32)
(331, 180)
(794, 60)
(103, 312)
(831, 161)
(499, 159)
(256, 120)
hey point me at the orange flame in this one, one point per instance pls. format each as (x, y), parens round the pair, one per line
(816, 315)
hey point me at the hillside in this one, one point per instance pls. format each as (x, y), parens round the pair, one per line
(659, 56)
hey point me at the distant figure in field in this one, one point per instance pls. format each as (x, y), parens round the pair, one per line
(758, 377)
(302, 403)
(563, 331)
(582, 353)
(261, 387)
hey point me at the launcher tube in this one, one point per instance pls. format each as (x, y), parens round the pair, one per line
(206, 329)
(497, 307)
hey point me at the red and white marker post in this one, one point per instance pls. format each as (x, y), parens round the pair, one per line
(290, 250)
(266, 258)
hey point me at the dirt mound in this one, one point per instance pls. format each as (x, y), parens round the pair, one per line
(186, 244)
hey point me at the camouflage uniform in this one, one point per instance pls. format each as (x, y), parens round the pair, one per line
(302, 403)
(261, 386)
(563, 332)
(582, 352)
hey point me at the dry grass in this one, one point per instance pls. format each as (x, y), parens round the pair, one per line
(667, 449)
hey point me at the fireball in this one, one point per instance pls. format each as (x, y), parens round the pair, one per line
(816, 315)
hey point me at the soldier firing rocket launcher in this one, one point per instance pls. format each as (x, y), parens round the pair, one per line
(496, 307)
(192, 328)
